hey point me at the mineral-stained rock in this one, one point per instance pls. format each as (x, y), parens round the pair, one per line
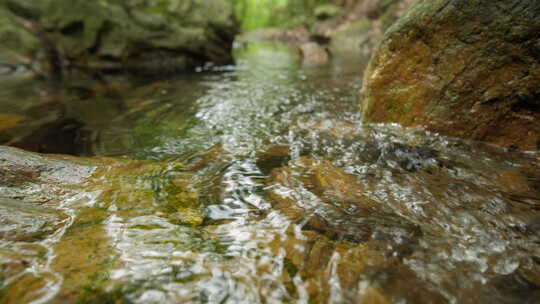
(35, 179)
(467, 68)
(330, 201)
(62, 204)
(146, 35)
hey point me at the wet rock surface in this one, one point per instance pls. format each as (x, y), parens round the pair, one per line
(57, 205)
(22, 221)
(462, 68)
(344, 213)
(261, 185)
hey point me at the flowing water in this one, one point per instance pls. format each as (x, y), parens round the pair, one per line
(257, 183)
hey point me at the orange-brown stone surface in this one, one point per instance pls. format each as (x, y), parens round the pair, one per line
(465, 68)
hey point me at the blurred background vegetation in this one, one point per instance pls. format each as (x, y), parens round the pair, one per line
(256, 14)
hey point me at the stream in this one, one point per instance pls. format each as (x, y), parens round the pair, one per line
(258, 183)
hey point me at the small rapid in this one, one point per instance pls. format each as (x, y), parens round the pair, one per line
(258, 183)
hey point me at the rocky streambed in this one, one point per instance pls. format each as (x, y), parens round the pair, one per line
(254, 183)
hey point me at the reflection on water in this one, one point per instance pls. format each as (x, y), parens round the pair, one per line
(263, 187)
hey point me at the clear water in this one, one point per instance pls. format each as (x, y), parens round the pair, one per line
(295, 200)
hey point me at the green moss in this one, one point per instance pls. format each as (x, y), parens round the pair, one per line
(95, 292)
(327, 11)
(365, 107)
(451, 95)
(16, 44)
(28, 9)
(390, 106)
(83, 225)
(438, 111)
(167, 186)
(108, 34)
(291, 268)
(81, 23)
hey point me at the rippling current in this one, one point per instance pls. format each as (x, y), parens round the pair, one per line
(258, 183)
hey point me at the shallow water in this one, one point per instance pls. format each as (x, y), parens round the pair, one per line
(257, 183)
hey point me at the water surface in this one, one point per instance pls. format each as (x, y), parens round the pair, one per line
(257, 183)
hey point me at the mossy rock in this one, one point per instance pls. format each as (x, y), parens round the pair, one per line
(28, 9)
(463, 68)
(149, 36)
(17, 45)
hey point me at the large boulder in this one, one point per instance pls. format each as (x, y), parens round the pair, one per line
(467, 68)
(147, 35)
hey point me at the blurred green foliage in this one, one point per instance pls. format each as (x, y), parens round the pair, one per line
(276, 13)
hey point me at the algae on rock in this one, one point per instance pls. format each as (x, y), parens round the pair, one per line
(17, 45)
(58, 210)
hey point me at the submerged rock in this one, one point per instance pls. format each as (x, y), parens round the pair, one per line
(63, 211)
(409, 158)
(22, 221)
(149, 35)
(462, 68)
(38, 179)
(330, 201)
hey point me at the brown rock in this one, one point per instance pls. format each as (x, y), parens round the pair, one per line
(463, 68)
(313, 53)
